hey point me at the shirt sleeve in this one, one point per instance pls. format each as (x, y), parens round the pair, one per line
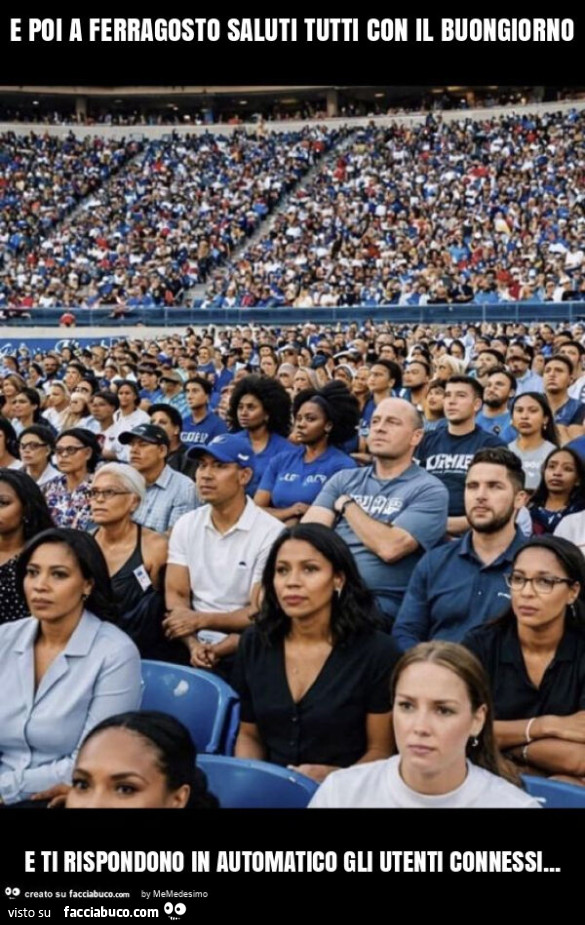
(425, 516)
(118, 688)
(330, 492)
(178, 547)
(186, 501)
(268, 480)
(413, 619)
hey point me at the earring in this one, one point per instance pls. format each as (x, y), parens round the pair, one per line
(84, 597)
(474, 742)
(338, 593)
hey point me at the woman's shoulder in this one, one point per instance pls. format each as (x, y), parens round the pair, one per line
(489, 791)
(14, 629)
(111, 637)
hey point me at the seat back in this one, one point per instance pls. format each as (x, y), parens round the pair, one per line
(204, 703)
(240, 783)
(554, 794)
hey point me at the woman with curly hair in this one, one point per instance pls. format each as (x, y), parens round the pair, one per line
(261, 407)
(313, 674)
(324, 420)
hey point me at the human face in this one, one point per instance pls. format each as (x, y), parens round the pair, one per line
(433, 721)
(537, 611)
(560, 474)
(251, 413)
(517, 361)
(72, 456)
(461, 403)
(10, 511)
(497, 391)
(415, 375)
(101, 410)
(33, 452)
(218, 482)
(301, 381)
(78, 403)
(127, 398)
(54, 585)
(311, 423)
(285, 378)
(146, 456)
(22, 407)
(196, 395)
(304, 581)
(50, 365)
(360, 384)
(72, 377)
(491, 499)
(393, 434)
(557, 377)
(528, 417)
(268, 366)
(118, 507)
(379, 379)
(436, 400)
(163, 420)
(84, 388)
(574, 356)
(118, 769)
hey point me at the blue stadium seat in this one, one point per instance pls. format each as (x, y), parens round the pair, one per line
(242, 783)
(554, 794)
(207, 706)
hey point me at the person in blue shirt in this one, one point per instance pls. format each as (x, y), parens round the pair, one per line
(495, 416)
(569, 413)
(261, 407)
(385, 380)
(460, 585)
(447, 451)
(324, 420)
(201, 425)
(149, 386)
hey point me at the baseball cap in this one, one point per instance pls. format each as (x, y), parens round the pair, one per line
(151, 433)
(171, 375)
(228, 448)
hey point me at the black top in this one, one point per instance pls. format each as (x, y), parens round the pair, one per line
(12, 606)
(562, 689)
(328, 724)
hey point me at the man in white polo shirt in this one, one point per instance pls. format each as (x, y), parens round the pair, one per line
(217, 554)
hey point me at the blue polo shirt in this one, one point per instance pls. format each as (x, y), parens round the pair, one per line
(451, 592)
(290, 479)
(448, 456)
(211, 426)
(276, 444)
(572, 412)
(494, 425)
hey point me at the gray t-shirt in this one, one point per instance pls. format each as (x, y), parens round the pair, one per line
(416, 501)
(532, 461)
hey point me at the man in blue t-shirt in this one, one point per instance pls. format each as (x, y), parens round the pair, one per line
(569, 413)
(201, 425)
(447, 452)
(494, 417)
(388, 513)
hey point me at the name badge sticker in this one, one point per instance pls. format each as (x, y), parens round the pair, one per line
(142, 577)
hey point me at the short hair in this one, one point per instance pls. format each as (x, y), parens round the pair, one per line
(393, 368)
(45, 434)
(573, 343)
(205, 384)
(110, 397)
(560, 358)
(171, 412)
(127, 475)
(173, 748)
(90, 560)
(422, 361)
(497, 354)
(502, 456)
(502, 371)
(36, 516)
(467, 380)
(88, 439)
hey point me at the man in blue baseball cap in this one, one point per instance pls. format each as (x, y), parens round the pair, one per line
(217, 555)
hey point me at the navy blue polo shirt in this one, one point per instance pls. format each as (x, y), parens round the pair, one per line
(451, 591)
(448, 457)
(194, 433)
(572, 412)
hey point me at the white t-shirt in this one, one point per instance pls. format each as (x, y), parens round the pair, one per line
(223, 567)
(378, 785)
(572, 527)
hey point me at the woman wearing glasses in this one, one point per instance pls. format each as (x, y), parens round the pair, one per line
(77, 452)
(36, 445)
(135, 556)
(535, 657)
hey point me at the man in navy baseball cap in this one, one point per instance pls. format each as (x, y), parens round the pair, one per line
(228, 448)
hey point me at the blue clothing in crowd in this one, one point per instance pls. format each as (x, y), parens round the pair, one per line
(203, 431)
(494, 425)
(276, 444)
(290, 479)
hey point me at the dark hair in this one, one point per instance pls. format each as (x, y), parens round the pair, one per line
(273, 397)
(174, 749)
(457, 342)
(110, 397)
(572, 561)
(467, 667)
(9, 436)
(132, 385)
(549, 430)
(35, 399)
(422, 361)
(90, 559)
(502, 456)
(352, 611)
(393, 368)
(578, 493)
(502, 371)
(436, 384)
(92, 381)
(172, 413)
(573, 343)
(88, 439)
(497, 354)
(45, 434)
(474, 384)
(35, 512)
(340, 406)
(560, 358)
(199, 380)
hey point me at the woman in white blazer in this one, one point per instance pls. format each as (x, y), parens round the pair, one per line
(64, 669)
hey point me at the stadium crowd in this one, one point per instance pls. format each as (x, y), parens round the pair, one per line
(366, 526)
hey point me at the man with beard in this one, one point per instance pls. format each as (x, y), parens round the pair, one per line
(461, 585)
(499, 391)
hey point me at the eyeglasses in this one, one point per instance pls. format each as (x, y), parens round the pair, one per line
(68, 450)
(31, 446)
(106, 493)
(542, 584)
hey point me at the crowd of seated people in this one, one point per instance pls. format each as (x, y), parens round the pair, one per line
(296, 548)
